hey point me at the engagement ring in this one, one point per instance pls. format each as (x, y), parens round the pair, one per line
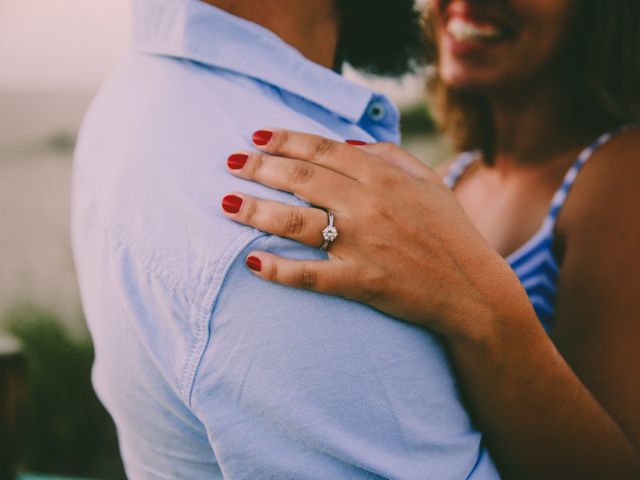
(330, 233)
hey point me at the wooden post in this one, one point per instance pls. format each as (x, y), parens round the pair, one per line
(12, 394)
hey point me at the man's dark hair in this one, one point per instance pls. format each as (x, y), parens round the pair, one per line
(381, 37)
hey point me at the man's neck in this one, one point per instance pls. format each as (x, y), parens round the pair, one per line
(309, 27)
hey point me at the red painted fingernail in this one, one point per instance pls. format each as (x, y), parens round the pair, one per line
(254, 263)
(231, 204)
(237, 161)
(262, 137)
(357, 143)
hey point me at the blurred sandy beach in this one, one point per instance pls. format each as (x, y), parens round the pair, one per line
(37, 131)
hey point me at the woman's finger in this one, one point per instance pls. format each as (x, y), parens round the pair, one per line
(338, 156)
(317, 275)
(303, 224)
(311, 183)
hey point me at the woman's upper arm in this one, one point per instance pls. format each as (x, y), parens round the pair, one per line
(598, 312)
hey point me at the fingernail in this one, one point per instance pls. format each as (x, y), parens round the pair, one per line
(357, 143)
(237, 161)
(254, 263)
(231, 204)
(262, 137)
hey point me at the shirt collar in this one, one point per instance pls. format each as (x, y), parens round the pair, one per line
(203, 33)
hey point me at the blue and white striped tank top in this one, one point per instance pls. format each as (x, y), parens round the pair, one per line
(534, 262)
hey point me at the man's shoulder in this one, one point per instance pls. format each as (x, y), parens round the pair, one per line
(149, 165)
(155, 102)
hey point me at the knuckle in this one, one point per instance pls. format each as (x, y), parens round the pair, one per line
(280, 139)
(372, 284)
(308, 278)
(387, 148)
(390, 177)
(386, 214)
(371, 210)
(249, 209)
(271, 273)
(379, 173)
(295, 222)
(322, 147)
(256, 165)
(301, 172)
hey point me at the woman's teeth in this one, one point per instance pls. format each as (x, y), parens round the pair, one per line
(465, 31)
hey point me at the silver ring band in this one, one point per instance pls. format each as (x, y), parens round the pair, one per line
(330, 233)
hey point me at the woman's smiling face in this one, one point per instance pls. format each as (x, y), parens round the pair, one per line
(488, 45)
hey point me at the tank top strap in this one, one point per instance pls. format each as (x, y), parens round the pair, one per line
(459, 166)
(466, 159)
(561, 194)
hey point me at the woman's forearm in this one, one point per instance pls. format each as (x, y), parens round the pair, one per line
(540, 421)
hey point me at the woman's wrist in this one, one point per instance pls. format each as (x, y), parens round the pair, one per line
(490, 335)
(496, 306)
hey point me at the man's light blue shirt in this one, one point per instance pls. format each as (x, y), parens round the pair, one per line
(208, 371)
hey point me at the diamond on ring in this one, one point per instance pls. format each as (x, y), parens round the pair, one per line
(330, 233)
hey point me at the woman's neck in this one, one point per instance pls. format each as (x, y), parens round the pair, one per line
(535, 124)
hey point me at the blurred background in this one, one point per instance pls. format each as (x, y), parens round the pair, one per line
(53, 57)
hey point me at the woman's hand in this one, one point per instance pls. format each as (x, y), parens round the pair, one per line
(405, 245)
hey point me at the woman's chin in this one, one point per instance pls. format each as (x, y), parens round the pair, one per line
(477, 82)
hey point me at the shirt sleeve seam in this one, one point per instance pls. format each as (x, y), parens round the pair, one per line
(204, 317)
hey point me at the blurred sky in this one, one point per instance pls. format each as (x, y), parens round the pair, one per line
(72, 45)
(60, 43)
